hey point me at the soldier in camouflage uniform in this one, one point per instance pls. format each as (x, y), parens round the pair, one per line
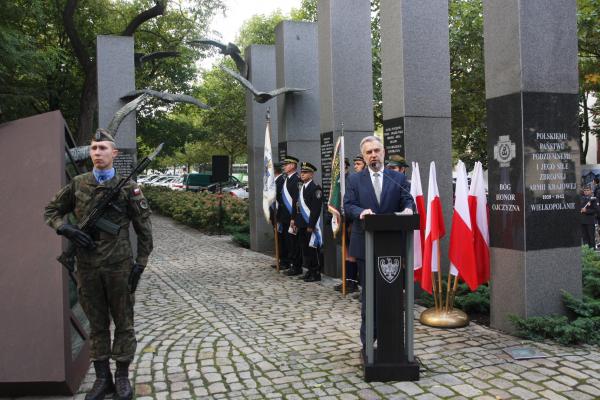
(106, 273)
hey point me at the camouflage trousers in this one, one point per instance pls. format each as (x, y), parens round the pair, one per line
(104, 293)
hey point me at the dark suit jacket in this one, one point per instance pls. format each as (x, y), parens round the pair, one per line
(360, 195)
(283, 215)
(313, 202)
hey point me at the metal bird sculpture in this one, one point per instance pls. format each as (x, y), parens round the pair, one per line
(260, 97)
(229, 49)
(140, 58)
(82, 152)
(166, 97)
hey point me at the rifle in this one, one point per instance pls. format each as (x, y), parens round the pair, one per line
(94, 219)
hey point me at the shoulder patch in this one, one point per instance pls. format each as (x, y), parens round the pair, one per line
(137, 191)
(318, 193)
(144, 204)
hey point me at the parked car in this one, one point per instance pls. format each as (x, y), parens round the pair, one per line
(237, 191)
(166, 182)
(196, 181)
(177, 184)
(157, 181)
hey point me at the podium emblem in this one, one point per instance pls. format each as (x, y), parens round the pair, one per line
(389, 267)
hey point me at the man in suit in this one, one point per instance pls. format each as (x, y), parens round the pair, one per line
(279, 179)
(307, 220)
(374, 190)
(287, 196)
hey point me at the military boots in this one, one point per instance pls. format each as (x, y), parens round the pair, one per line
(103, 384)
(122, 384)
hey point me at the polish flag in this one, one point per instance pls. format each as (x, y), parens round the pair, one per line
(480, 218)
(434, 231)
(416, 190)
(462, 250)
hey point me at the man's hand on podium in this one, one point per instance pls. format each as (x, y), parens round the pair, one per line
(406, 211)
(368, 211)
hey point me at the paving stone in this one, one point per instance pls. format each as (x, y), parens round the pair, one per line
(214, 321)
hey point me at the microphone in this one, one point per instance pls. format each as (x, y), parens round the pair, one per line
(398, 185)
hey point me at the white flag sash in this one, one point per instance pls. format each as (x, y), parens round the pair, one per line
(316, 239)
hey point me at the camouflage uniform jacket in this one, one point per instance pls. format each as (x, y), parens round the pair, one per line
(79, 196)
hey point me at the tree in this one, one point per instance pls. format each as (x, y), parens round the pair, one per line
(467, 80)
(224, 123)
(589, 70)
(59, 37)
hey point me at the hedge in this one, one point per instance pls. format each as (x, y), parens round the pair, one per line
(200, 210)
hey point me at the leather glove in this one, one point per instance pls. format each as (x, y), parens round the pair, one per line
(134, 276)
(76, 235)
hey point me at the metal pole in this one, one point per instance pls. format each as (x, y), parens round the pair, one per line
(370, 299)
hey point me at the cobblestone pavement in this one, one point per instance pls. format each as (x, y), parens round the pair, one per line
(215, 321)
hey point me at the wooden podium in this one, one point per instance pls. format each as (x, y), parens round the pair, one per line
(43, 333)
(390, 295)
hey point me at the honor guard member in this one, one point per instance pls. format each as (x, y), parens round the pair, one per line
(287, 195)
(107, 275)
(589, 212)
(279, 179)
(308, 220)
(351, 266)
(359, 163)
(397, 163)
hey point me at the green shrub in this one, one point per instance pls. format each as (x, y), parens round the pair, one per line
(582, 325)
(201, 210)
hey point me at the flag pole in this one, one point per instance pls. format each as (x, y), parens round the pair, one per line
(276, 235)
(448, 289)
(434, 290)
(439, 271)
(343, 255)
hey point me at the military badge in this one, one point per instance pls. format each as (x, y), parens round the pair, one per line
(389, 268)
(137, 191)
(144, 204)
(318, 194)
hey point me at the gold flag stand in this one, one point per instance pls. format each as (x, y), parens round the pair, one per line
(443, 315)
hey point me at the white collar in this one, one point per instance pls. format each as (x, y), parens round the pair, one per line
(306, 184)
(291, 173)
(371, 172)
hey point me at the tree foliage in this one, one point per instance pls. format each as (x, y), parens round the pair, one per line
(58, 41)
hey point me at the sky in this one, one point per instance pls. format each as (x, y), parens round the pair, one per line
(239, 11)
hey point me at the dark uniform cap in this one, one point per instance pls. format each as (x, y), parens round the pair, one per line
(102, 135)
(289, 160)
(397, 161)
(358, 157)
(307, 167)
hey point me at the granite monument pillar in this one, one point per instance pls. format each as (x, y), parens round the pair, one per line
(533, 149)
(116, 77)
(298, 67)
(261, 67)
(346, 82)
(415, 64)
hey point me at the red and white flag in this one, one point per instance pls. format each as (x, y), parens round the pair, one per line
(416, 190)
(480, 221)
(434, 231)
(462, 250)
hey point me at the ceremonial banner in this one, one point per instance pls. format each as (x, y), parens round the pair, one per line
(479, 221)
(416, 190)
(462, 250)
(434, 231)
(338, 186)
(269, 191)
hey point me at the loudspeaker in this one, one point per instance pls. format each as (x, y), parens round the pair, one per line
(220, 168)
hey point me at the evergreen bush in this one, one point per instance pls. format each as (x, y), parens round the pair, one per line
(582, 325)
